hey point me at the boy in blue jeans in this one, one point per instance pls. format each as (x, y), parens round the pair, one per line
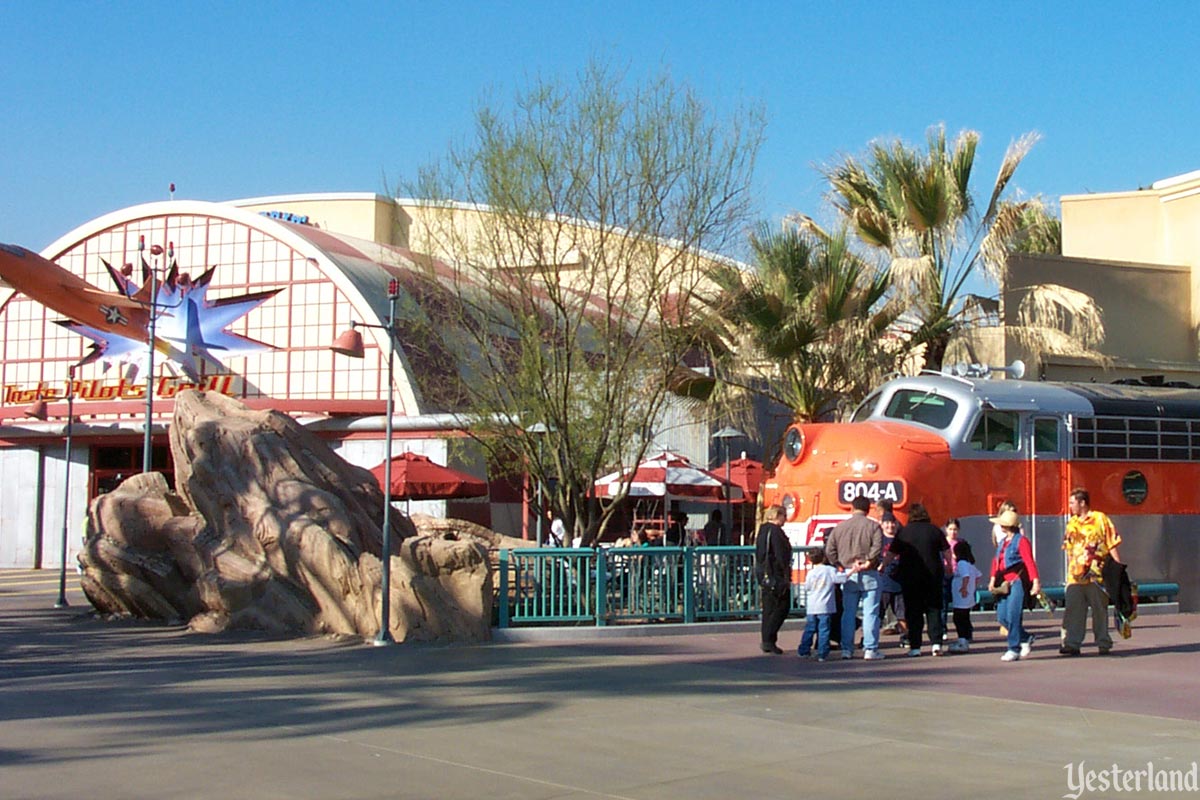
(820, 604)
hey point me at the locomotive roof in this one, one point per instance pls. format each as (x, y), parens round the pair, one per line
(1081, 399)
(1006, 395)
(1112, 400)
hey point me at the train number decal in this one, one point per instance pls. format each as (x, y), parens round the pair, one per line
(893, 490)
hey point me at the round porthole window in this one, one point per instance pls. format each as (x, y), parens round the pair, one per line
(793, 445)
(1133, 486)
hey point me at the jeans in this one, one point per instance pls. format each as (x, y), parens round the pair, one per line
(818, 624)
(1010, 610)
(861, 587)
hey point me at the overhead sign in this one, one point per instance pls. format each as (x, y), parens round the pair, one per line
(165, 387)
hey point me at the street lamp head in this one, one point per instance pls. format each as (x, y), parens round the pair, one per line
(727, 433)
(349, 343)
(37, 410)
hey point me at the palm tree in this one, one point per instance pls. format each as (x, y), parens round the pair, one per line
(916, 207)
(805, 327)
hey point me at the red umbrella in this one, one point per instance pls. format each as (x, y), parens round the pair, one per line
(416, 477)
(744, 472)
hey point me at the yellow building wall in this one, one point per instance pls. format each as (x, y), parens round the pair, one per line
(1146, 307)
(1158, 225)
(366, 216)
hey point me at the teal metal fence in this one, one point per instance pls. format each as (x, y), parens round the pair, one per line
(631, 584)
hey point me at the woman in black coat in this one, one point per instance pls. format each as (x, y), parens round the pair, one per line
(921, 547)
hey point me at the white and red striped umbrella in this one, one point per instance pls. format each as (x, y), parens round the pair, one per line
(668, 475)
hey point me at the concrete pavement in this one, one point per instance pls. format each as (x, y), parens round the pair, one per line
(98, 709)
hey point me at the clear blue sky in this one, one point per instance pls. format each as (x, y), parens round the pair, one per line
(108, 103)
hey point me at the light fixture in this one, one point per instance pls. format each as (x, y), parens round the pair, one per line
(539, 430)
(350, 343)
(724, 435)
(155, 251)
(36, 410)
(62, 568)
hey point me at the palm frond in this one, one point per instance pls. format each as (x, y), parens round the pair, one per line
(1012, 159)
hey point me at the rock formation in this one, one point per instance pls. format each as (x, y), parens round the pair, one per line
(269, 529)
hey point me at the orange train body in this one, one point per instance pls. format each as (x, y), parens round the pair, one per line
(960, 446)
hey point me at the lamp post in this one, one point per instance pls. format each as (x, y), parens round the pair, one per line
(62, 567)
(155, 250)
(350, 343)
(539, 430)
(724, 435)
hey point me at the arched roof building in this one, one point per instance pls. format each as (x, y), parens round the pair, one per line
(322, 261)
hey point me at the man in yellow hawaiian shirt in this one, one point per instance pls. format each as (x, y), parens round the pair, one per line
(1090, 538)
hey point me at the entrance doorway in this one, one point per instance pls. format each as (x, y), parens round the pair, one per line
(112, 464)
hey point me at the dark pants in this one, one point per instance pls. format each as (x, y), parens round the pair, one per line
(923, 604)
(775, 608)
(962, 624)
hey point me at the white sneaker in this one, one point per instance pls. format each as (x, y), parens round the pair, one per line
(914, 653)
(873, 655)
(1010, 655)
(937, 650)
(1026, 647)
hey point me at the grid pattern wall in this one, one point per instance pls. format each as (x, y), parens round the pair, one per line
(300, 322)
(1136, 439)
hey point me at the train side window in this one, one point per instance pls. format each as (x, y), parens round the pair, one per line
(925, 407)
(1045, 435)
(996, 432)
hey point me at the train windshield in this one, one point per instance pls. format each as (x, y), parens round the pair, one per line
(923, 406)
(865, 408)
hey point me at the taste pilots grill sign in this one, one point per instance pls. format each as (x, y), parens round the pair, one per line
(165, 387)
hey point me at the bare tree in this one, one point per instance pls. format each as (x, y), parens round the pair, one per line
(577, 226)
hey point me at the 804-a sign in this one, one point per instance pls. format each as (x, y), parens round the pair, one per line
(873, 490)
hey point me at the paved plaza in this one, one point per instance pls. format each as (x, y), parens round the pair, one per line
(100, 709)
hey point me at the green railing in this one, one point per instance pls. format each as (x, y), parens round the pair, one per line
(631, 584)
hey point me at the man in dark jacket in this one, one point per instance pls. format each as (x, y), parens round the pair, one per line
(773, 568)
(921, 547)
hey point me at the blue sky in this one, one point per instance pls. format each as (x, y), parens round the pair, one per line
(109, 103)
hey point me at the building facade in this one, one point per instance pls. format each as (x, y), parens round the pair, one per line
(1137, 254)
(324, 261)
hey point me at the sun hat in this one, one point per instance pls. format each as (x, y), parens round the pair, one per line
(1008, 519)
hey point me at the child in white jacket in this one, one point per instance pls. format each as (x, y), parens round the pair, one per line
(820, 605)
(962, 594)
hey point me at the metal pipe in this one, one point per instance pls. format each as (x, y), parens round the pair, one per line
(146, 443)
(385, 630)
(62, 569)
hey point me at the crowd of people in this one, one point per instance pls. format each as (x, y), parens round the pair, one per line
(924, 575)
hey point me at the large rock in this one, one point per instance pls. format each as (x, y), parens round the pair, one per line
(269, 529)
